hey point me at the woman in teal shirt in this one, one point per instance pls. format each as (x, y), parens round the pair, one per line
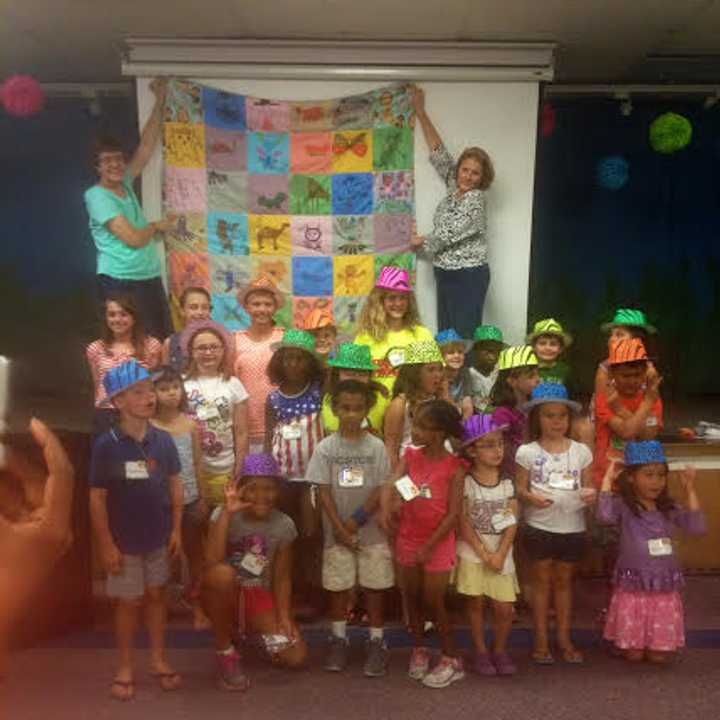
(127, 257)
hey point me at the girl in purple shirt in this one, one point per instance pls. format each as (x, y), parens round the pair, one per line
(645, 619)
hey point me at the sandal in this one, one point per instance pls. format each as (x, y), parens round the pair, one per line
(543, 658)
(572, 656)
(168, 681)
(126, 693)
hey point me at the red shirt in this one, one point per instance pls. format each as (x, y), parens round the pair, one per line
(606, 439)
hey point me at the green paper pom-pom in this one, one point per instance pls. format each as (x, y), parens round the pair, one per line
(669, 133)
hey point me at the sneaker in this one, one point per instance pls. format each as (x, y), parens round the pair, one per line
(447, 671)
(377, 658)
(336, 660)
(419, 663)
(504, 664)
(230, 673)
(483, 665)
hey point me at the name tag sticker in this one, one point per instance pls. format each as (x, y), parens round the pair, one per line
(351, 477)
(660, 546)
(503, 519)
(561, 480)
(254, 564)
(291, 432)
(652, 421)
(407, 488)
(207, 412)
(136, 470)
(396, 357)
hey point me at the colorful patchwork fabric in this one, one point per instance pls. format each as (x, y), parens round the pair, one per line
(317, 196)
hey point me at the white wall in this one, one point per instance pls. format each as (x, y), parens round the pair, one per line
(501, 117)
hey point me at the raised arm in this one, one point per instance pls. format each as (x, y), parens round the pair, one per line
(432, 136)
(151, 132)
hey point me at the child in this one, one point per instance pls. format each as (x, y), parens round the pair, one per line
(248, 578)
(630, 408)
(429, 479)
(646, 612)
(625, 325)
(322, 326)
(122, 339)
(420, 379)
(487, 345)
(253, 351)
(136, 501)
(353, 362)
(487, 531)
(195, 306)
(170, 416)
(549, 341)
(389, 322)
(350, 466)
(517, 378)
(457, 386)
(218, 403)
(553, 479)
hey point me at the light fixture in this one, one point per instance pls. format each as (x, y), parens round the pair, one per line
(711, 101)
(626, 107)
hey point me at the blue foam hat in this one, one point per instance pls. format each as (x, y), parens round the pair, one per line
(124, 376)
(446, 337)
(550, 393)
(644, 452)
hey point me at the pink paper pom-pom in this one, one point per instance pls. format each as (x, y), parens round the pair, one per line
(22, 96)
(548, 120)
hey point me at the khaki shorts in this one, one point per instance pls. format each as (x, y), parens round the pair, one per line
(139, 572)
(370, 567)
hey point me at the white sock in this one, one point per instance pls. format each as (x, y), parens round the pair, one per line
(376, 633)
(339, 628)
(229, 651)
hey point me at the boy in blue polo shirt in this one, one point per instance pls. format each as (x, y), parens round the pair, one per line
(136, 502)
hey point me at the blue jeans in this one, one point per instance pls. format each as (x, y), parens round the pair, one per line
(149, 296)
(461, 297)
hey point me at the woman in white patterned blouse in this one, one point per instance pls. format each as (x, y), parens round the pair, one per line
(457, 244)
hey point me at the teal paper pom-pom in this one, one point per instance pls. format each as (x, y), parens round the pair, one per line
(612, 173)
(669, 133)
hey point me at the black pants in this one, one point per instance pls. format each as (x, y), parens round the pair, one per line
(461, 297)
(149, 296)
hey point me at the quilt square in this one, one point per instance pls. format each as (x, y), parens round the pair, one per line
(311, 153)
(393, 148)
(354, 274)
(311, 235)
(270, 235)
(267, 115)
(185, 190)
(353, 235)
(188, 270)
(347, 313)
(183, 102)
(303, 306)
(227, 191)
(227, 233)
(229, 273)
(269, 194)
(278, 268)
(352, 151)
(393, 233)
(353, 112)
(394, 192)
(352, 194)
(311, 116)
(224, 110)
(269, 153)
(392, 107)
(228, 312)
(184, 145)
(189, 235)
(225, 150)
(312, 276)
(311, 194)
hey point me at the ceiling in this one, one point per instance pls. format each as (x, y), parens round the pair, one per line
(598, 40)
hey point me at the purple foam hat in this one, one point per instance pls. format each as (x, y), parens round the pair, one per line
(478, 425)
(260, 465)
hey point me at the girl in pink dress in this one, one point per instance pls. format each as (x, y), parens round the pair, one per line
(428, 484)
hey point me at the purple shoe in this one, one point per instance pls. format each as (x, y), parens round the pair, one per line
(483, 665)
(504, 664)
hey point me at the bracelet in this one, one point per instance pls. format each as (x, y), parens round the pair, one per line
(360, 516)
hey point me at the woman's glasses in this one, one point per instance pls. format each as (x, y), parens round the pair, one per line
(207, 349)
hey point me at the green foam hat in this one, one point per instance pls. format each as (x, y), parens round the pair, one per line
(629, 318)
(352, 357)
(488, 333)
(295, 338)
(549, 326)
(423, 352)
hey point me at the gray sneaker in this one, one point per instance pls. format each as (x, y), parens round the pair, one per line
(376, 661)
(336, 660)
(230, 673)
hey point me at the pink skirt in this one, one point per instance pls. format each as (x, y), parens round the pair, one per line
(646, 620)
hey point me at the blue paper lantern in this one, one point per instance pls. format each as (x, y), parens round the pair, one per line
(612, 173)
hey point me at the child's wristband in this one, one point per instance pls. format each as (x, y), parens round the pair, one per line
(360, 516)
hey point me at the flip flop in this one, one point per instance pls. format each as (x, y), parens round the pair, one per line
(572, 657)
(540, 658)
(128, 690)
(168, 681)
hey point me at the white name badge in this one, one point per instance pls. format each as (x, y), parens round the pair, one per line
(351, 477)
(254, 564)
(291, 432)
(396, 357)
(136, 470)
(207, 412)
(660, 546)
(503, 519)
(652, 421)
(561, 480)
(407, 488)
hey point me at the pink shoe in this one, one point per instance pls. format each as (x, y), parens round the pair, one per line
(419, 663)
(230, 673)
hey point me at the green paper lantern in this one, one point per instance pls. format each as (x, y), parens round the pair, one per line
(669, 133)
